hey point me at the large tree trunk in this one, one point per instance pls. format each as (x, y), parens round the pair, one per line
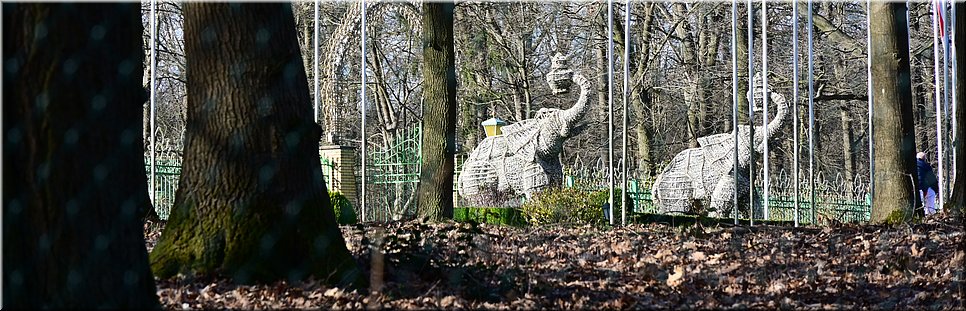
(74, 158)
(894, 140)
(439, 113)
(251, 203)
(957, 200)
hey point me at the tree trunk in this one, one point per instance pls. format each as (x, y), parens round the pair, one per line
(957, 200)
(894, 140)
(641, 95)
(251, 202)
(689, 58)
(642, 109)
(75, 182)
(847, 152)
(600, 51)
(742, 59)
(439, 113)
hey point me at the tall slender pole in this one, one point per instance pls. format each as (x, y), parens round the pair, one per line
(751, 113)
(610, 107)
(795, 138)
(938, 95)
(315, 62)
(944, 185)
(811, 117)
(362, 43)
(154, 91)
(627, 54)
(734, 98)
(953, 114)
(764, 103)
(868, 46)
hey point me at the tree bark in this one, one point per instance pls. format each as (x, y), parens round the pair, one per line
(741, 52)
(957, 200)
(641, 95)
(689, 60)
(75, 182)
(251, 203)
(847, 152)
(439, 113)
(600, 53)
(894, 140)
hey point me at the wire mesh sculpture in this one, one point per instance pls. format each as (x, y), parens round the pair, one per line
(702, 180)
(525, 158)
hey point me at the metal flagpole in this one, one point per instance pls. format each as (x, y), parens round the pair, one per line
(627, 45)
(868, 46)
(944, 186)
(795, 137)
(764, 102)
(751, 113)
(610, 107)
(154, 91)
(362, 43)
(938, 94)
(734, 97)
(315, 47)
(811, 117)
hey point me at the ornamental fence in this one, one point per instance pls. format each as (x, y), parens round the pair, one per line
(394, 177)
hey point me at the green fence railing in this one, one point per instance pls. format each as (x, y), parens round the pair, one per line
(829, 205)
(168, 171)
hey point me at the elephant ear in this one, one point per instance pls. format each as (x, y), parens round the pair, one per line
(718, 149)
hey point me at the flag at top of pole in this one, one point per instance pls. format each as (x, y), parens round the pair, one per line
(941, 17)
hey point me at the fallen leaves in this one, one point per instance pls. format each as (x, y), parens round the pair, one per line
(456, 266)
(674, 280)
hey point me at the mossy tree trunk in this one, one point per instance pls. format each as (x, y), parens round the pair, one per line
(251, 203)
(75, 188)
(439, 113)
(894, 139)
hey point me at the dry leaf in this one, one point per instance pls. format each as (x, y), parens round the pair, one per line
(673, 280)
(698, 256)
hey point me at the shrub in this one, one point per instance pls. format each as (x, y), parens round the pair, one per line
(598, 198)
(489, 215)
(344, 214)
(563, 206)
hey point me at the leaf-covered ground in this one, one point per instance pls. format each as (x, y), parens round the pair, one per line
(640, 266)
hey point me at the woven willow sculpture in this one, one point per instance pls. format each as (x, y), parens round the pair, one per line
(702, 179)
(525, 158)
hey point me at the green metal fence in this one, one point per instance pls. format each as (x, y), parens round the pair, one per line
(168, 171)
(834, 200)
(395, 176)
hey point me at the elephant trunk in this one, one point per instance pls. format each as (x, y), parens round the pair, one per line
(776, 123)
(574, 114)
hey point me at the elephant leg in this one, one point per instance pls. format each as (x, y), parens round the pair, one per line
(673, 193)
(723, 197)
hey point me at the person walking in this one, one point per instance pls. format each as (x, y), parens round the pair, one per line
(928, 184)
